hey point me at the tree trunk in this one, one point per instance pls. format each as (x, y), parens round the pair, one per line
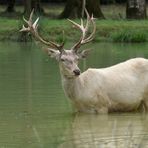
(36, 5)
(93, 7)
(32, 4)
(10, 7)
(136, 9)
(74, 8)
(27, 8)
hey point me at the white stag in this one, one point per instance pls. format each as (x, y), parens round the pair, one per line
(122, 87)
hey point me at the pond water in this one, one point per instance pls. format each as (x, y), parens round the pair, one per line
(34, 112)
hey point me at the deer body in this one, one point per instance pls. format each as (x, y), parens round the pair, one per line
(118, 88)
(123, 87)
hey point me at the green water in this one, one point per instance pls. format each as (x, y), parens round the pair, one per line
(34, 112)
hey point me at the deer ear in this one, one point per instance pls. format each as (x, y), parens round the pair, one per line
(52, 53)
(84, 53)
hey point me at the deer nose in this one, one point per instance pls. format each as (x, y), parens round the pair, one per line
(76, 72)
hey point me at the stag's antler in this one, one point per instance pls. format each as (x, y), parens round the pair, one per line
(84, 28)
(33, 29)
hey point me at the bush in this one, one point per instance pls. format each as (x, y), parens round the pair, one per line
(129, 36)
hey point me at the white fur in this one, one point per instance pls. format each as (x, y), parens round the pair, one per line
(123, 87)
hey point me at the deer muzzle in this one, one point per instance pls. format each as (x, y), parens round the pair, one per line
(77, 72)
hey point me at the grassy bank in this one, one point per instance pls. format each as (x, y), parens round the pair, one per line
(107, 30)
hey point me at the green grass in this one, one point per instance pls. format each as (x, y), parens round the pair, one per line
(115, 28)
(107, 30)
(123, 30)
(131, 35)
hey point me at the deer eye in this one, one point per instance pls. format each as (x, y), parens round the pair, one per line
(62, 60)
(78, 58)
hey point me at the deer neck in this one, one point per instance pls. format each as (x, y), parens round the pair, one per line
(71, 86)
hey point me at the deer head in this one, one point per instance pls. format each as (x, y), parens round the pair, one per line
(68, 59)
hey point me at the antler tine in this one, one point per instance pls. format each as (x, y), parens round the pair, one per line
(91, 36)
(33, 29)
(88, 19)
(35, 24)
(84, 28)
(31, 16)
(81, 28)
(29, 22)
(74, 23)
(24, 29)
(25, 20)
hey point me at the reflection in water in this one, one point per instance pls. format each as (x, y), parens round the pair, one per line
(108, 131)
(34, 112)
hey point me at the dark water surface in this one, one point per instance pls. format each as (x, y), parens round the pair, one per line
(34, 112)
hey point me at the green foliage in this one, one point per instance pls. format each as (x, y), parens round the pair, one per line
(107, 30)
(123, 30)
(128, 35)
